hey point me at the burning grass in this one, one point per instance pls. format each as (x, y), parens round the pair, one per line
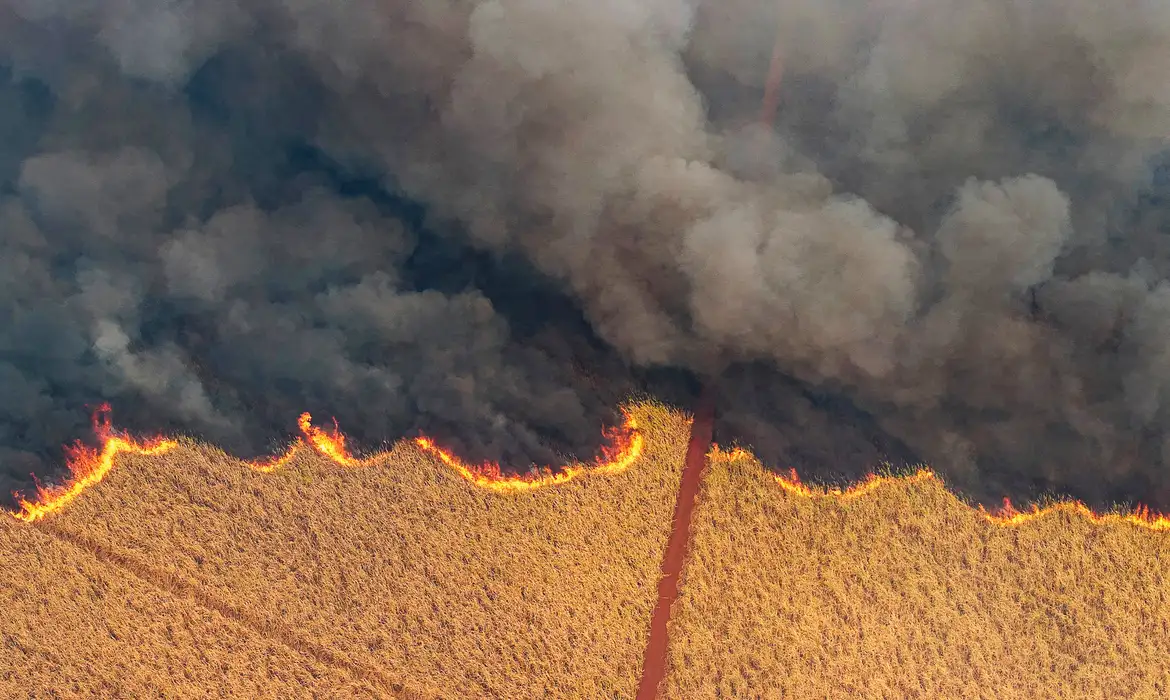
(398, 572)
(901, 590)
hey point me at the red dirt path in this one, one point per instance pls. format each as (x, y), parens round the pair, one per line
(654, 662)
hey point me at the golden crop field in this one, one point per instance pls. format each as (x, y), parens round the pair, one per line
(74, 625)
(189, 574)
(905, 592)
(400, 577)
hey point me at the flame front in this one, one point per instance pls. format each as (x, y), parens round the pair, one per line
(1141, 516)
(331, 443)
(271, 464)
(89, 465)
(1006, 517)
(626, 446)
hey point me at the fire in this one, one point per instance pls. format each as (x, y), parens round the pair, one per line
(626, 446)
(331, 443)
(89, 465)
(1006, 517)
(1141, 516)
(271, 464)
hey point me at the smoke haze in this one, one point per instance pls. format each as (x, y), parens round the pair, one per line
(492, 220)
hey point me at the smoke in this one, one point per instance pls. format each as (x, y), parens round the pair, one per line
(493, 219)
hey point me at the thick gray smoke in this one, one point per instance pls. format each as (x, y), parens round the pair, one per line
(951, 240)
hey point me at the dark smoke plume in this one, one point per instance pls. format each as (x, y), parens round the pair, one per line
(491, 220)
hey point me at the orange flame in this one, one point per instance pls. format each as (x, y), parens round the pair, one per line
(331, 443)
(1140, 516)
(268, 465)
(1006, 517)
(626, 446)
(89, 466)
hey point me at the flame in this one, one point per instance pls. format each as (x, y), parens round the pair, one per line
(331, 443)
(89, 465)
(1006, 517)
(268, 465)
(1140, 516)
(626, 446)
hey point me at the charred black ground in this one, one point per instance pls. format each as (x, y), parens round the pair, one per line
(492, 221)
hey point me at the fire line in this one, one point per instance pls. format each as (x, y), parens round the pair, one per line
(89, 465)
(1007, 516)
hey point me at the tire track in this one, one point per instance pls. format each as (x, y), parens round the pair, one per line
(272, 631)
(655, 660)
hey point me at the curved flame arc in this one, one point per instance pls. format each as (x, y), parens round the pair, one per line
(90, 465)
(1005, 517)
(626, 446)
(268, 465)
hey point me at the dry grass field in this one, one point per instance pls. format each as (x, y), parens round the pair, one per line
(905, 592)
(189, 574)
(399, 578)
(73, 625)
